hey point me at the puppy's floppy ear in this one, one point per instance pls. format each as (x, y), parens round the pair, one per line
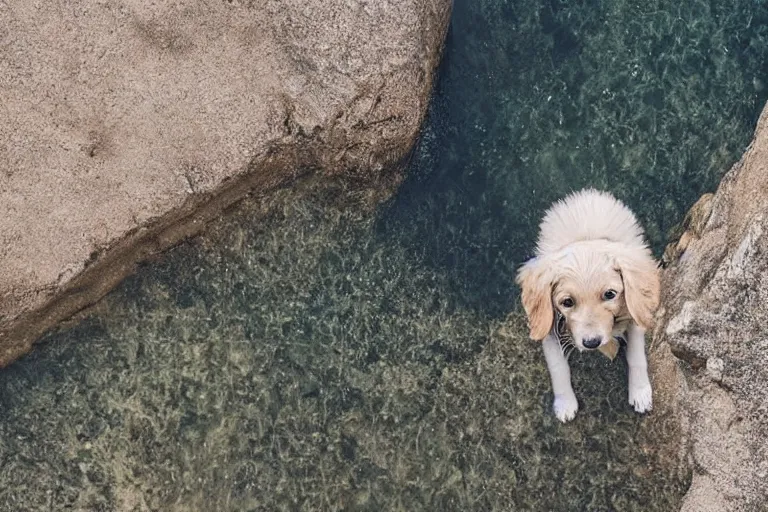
(640, 274)
(535, 280)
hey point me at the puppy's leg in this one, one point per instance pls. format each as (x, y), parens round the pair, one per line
(640, 393)
(565, 404)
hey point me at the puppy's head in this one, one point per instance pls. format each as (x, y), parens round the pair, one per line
(591, 284)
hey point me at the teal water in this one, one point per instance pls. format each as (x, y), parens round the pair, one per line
(651, 100)
(307, 356)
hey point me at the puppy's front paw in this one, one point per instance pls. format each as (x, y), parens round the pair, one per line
(641, 397)
(565, 407)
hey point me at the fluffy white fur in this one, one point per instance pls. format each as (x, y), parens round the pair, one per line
(593, 267)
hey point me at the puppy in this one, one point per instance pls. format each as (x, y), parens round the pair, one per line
(593, 280)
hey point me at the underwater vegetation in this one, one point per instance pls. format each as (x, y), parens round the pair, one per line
(298, 363)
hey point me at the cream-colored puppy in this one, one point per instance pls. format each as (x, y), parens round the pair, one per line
(593, 280)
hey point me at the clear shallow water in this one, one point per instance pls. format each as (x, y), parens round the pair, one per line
(651, 100)
(319, 359)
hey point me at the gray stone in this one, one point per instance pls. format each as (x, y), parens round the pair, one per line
(713, 318)
(127, 126)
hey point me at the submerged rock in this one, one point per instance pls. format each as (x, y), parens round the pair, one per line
(127, 127)
(713, 319)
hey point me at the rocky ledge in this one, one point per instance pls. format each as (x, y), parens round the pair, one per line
(709, 350)
(127, 126)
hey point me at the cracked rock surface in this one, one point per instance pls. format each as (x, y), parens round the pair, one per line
(127, 126)
(714, 319)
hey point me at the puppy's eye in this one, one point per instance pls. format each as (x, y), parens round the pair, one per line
(609, 295)
(567, 302)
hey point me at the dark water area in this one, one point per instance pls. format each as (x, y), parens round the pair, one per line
(307, 356)
(653, 101)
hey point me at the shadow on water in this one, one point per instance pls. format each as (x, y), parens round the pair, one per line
(317, 358)
(651, 100)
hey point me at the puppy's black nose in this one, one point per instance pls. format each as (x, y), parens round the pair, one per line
(591, 342)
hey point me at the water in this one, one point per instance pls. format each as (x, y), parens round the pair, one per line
(651, 100)
(323, 358)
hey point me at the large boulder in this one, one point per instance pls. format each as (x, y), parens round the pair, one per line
(714, 320)
(126, 126)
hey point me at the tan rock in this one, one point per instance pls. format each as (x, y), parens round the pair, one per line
(126, 126)
(715, 306)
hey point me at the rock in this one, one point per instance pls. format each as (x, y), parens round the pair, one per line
(713, 319)
(126, 127)
(691, 227)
